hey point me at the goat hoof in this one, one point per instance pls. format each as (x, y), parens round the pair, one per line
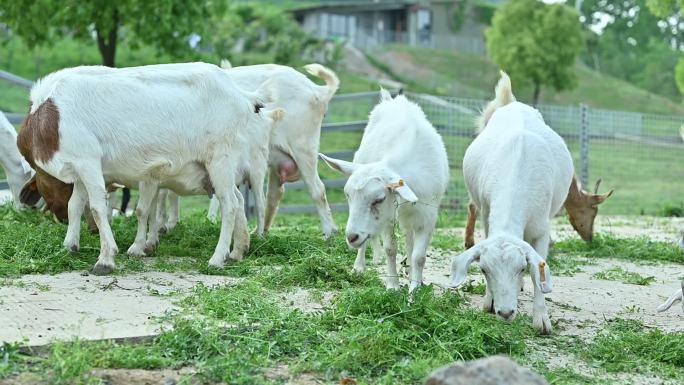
(216, 262)
(414, 285)
(135, 251)
(468, 244)
(150, 247)
(162, 230)
(329, 233)
(102, 269)
(392, 284)
(236, 256)
(72, 248)
(542, 325)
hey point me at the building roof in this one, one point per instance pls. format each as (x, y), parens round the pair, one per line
(355, 5)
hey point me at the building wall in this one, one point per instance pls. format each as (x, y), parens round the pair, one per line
(369, 29)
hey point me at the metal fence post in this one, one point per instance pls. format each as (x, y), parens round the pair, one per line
(584, 144)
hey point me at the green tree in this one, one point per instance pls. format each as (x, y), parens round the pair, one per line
(538, 42)
(632, 43)
(252, 33)
(679, 75)
(165, 24)
(665, 8)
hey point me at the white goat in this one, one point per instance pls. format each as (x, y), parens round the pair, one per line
(295, 143)
(400, 172)
(17, 170)
(171, 125)
(253, 162)
(674, 298)
(518, 172)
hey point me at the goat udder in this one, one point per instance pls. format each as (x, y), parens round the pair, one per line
(288, 171)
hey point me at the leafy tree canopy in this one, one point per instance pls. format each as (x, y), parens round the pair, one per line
(628, 41)
(537, 42)
(165, 24)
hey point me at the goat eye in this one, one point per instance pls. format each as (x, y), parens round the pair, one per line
(378, 201)
(522, 270)
(483, 271)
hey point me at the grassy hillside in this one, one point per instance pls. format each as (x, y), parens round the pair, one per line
(468, 75)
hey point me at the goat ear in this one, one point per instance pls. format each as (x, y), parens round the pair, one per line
(539, 269)
(225, 64)
(460, 264)
(26, 166)
(385, 95)
(346, 168)
(598, 199)
(29, 194)
(399, 186)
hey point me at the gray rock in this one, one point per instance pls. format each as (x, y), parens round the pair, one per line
(495, 370)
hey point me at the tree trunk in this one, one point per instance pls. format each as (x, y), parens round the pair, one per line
(537, 91)
(106, 41)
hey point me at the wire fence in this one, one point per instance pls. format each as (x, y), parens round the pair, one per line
(639, 155)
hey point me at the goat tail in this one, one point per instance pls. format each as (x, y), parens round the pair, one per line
(225, 64)
(277, 114)
(504, 96)
(332, 82)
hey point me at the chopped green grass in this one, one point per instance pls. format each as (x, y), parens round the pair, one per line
(565, 265)
(630, 346)
(622, 275)
(632, 249)
(371, 334)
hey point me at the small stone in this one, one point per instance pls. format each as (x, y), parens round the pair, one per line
(495, 370)
(169, 381)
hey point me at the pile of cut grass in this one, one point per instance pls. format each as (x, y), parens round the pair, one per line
(639, 249)
(370, 334)
(238, 333)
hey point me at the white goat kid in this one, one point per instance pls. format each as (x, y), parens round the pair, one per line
(174, 125)
(295, 142)
(518, 172)
(17, 170)
(400, 172)
(674, 298)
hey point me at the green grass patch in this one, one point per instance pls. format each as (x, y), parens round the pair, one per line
(447, 242)
(564, 264)
(371, 334)
(630, 346)
(622, 275)
(632, 249)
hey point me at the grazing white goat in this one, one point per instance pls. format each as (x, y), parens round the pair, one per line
(674, 298)
(518, 173)
(253, 162)
(17, 170)
(399, 173)
(295, 143)
(170, 125)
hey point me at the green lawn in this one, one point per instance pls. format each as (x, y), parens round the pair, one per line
(367, 333)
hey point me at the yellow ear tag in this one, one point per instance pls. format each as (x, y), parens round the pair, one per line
(542, 265)
(395, 185)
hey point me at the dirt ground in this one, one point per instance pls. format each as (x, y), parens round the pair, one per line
(37, 309)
